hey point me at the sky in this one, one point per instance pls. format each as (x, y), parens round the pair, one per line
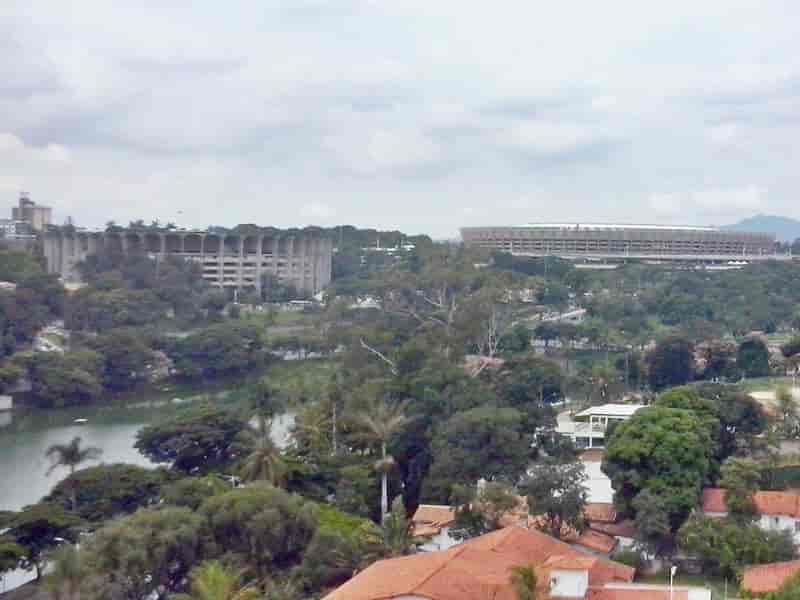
(416, 115)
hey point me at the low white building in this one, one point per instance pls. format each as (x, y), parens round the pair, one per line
(587, 429)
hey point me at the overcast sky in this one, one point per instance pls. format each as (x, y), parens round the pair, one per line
(422, 115)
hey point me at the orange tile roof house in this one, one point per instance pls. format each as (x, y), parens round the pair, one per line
(765, 579)
(480, 569)
(778, 511)
(432, 524)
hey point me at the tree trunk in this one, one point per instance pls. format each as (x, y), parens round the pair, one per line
(333, 428)
(384, 486)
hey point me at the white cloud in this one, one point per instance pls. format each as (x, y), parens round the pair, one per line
(712, 202)
(317, 210)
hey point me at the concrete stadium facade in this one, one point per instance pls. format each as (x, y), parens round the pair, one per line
(301, 258)
(619, 242)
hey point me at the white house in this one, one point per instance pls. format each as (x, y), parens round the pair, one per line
(777, 511)
(587, 429)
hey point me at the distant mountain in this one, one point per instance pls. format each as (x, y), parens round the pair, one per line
(784, 228)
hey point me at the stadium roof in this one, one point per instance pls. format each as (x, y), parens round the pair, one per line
(620, 226)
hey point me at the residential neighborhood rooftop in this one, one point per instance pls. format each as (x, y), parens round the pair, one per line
(765, 579)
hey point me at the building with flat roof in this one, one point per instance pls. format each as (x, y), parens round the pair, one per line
(39, 217)
(230, 260)
(598, 241)
(587, 429)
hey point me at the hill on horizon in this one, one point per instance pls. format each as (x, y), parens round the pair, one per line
(784, 228)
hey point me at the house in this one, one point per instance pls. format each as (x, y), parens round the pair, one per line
(481, 569)
(587, 429)
(777, 511)
(432, 523)
(765, 579)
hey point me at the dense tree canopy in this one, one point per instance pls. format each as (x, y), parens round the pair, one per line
(484, 442)
(670, 363)
(195, 441)
(667, 451)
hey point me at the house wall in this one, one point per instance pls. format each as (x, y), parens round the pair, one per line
(780, 523)
(569, 584)
(441, 541)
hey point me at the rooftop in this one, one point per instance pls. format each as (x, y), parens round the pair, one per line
(767, 503)
(477, 569)
(765, 579)
(611, 410)
(602, 226)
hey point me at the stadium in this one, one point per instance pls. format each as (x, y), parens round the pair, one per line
(592, 241)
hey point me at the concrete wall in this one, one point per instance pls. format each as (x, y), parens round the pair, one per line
(227, 260)
(568, 584)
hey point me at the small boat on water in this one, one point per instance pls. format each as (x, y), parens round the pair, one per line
(81, 421)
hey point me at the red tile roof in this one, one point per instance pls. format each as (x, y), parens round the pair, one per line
(764, 579)
(767, 503)
(475, 570)
(635, 593)
(429, 519)
(602, 512)
(597, 541)
(625, 528)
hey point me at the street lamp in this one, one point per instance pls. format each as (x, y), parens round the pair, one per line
(673, 569)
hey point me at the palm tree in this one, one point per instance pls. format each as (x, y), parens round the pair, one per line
(381, 422)
(213, 581)
(71, 456)
(395, 537)
(524, 582)
(264, 462)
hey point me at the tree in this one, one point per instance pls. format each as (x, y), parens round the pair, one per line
(652, 522)
(67, 579)
(790, 590)
(125, 356)
(59, 380)
(670, 363)
(546, 331)
(480, 509)
(198, 440)
(557, 494)
(665, 450)
(791, 347)
(395, 536)
(264, 460)
(71, 455)
(753, 358)
(105, 491)
(524, 582)
(481, 443)
(740, 478)
(191, 492)
(724, 546)
(11, 556)
(267, 526)
(787, 412)
(145, 555)
(381, 422)
(39, 527)
(221, 349)
(214, 581)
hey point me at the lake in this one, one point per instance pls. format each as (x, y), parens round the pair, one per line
(26, 435)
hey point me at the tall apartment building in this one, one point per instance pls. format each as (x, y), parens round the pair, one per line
(39, 217)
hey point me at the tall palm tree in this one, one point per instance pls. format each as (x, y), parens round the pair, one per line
(264, 462)
(71, 455)
(213, 581)
(381, 422)
(524, 582)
